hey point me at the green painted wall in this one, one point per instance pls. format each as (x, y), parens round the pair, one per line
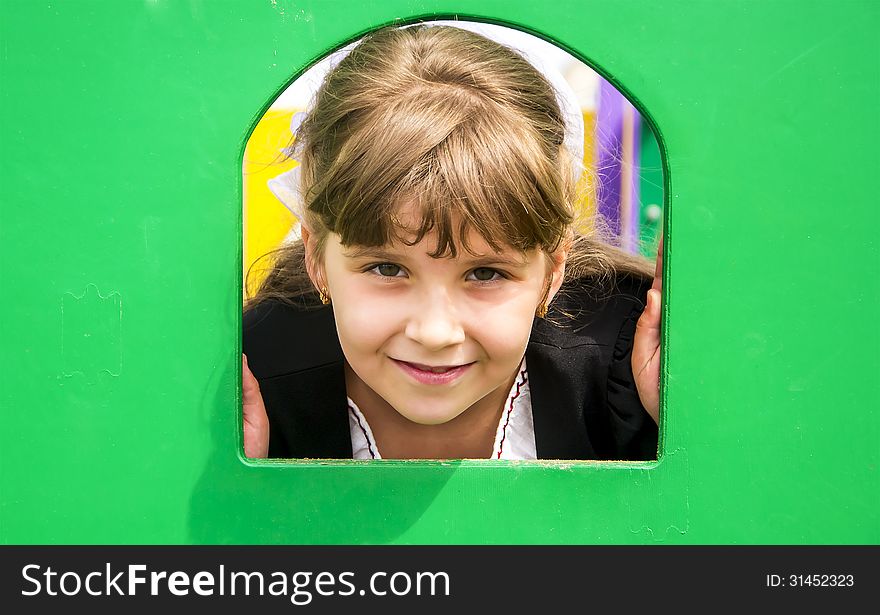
(122, 126)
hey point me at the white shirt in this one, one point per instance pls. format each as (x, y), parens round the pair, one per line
(514, 437)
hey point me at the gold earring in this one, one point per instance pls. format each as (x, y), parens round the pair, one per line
(325, 296)
(541, 312)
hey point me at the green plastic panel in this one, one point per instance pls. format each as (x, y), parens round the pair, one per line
(122, 127)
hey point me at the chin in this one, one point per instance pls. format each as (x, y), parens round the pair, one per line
(427, 416)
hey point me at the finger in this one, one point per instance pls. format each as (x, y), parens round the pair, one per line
(658, 267)
(646, 355)
(250, 388)
(256, 422)
(649, 321)
(646, 345)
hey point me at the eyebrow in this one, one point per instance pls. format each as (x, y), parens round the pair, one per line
(508, 259)
(491, 260)
(369, 251)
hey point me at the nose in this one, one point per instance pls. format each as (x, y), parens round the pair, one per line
(435, 323)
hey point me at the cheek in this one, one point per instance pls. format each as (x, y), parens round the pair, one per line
(364, 322)
(504, 330)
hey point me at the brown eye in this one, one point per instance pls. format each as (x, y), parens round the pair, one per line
(484, 274)
(388, 270)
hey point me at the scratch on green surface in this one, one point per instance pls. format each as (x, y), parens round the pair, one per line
(666, 509)
(91, 333)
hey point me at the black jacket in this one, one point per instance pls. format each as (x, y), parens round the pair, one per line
(584, 400)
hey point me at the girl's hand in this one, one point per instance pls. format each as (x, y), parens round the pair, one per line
(256, 422)
(646, 346)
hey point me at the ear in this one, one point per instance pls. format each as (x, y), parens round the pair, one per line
(314, 266)
(557, 269)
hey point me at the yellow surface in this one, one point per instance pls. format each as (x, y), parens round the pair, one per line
(587, 187)
(266, 220)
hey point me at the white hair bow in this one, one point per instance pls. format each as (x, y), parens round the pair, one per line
(287, 188)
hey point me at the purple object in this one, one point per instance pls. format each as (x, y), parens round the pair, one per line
(617, 164)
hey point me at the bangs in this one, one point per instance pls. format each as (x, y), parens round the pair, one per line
(455, 163)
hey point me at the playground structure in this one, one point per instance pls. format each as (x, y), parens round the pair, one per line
(124, 126)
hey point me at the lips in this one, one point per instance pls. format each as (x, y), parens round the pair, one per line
(433, 369)
(432, 374)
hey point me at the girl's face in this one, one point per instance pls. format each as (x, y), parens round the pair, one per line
(435, 336)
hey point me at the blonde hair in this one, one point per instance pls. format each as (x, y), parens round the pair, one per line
(462, 127)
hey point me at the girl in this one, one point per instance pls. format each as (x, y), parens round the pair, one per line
(440, 303)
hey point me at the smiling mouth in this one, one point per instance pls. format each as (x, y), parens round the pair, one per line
(432, 374)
